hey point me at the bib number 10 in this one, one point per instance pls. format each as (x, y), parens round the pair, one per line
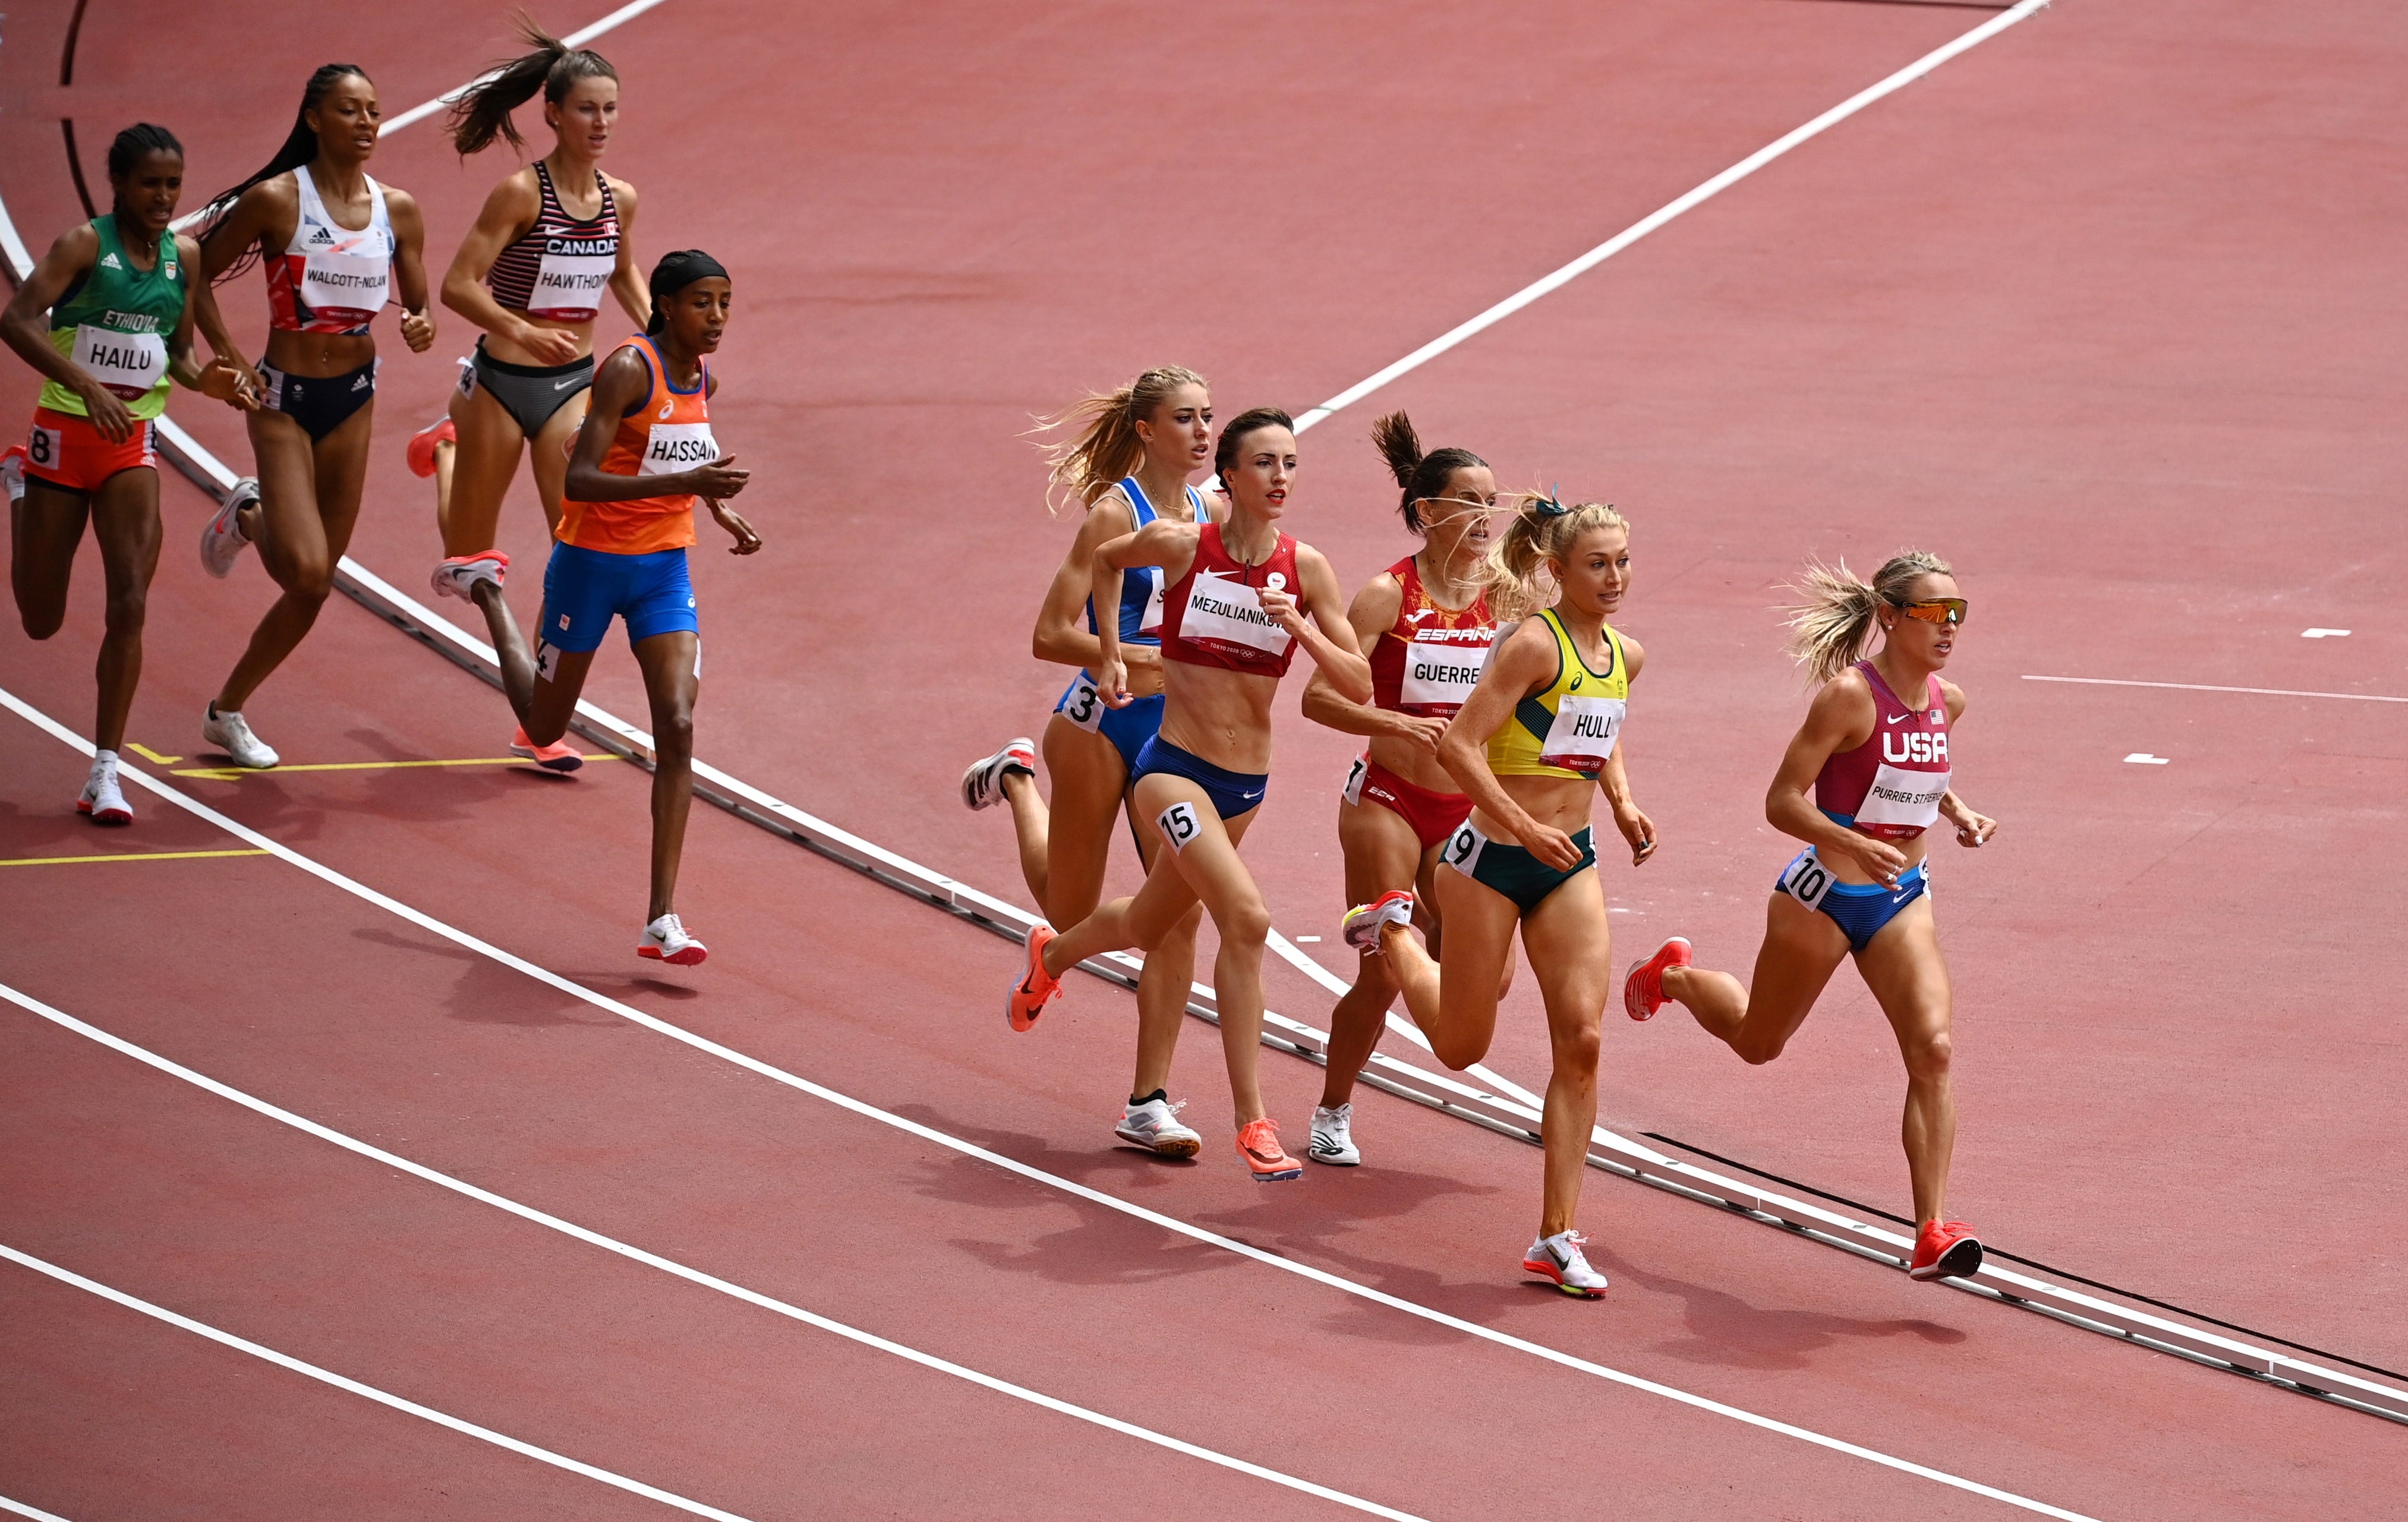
(1807, 879)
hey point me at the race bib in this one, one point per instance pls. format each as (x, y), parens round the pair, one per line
(1353, 791)
(1083, 704)
(1229, 616)
(1902, 800)
(1805, 878)
(1582, 738)
(568, 286)
(128, 363)
(672, 447)
(46, 448)
(1179, 824)
(1463, 848)
(1150, 622)
(1441, 669)
(345, 287)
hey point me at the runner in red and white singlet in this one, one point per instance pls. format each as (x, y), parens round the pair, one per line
(1426, 623)
(1878, 767)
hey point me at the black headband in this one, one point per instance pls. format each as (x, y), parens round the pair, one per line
(678, 270)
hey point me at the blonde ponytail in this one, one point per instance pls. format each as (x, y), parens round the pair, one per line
(1105, 445)
(1836, 614)
(1543, 528)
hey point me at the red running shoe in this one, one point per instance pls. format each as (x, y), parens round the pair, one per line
(1028, 997)
(1258, 1144)
(557, 757)
(1945, 1250)
(1642, 987)
(422, 442)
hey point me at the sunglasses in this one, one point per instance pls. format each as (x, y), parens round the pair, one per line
(1934, 610)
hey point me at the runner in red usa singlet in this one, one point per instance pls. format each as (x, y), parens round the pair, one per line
(1874, 751)
(1426, 623)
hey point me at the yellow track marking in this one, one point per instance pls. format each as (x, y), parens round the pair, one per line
(146, 754)
(228, 774)
(141, 856)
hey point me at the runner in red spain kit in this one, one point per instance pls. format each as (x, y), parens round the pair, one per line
(119, 292)
(1875, 750)
(337, 247)
(1243, 598)
(1426, 623)
(554, 241)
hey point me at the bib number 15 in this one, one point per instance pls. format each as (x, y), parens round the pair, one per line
(1179, 824)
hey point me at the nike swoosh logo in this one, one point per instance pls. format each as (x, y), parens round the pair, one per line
(561, 385)
(1898, 718)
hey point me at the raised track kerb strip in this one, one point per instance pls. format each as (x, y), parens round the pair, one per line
(669, 1266)
(327, 1376)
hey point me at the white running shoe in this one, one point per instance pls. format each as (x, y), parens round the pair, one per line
(12, 471)
(982, 783)
(1363, 925)
(1560, 1258)
(230, 734)
(101, 798)
(458, 576)
(222, 539)
(666, 941)
(1154, 1126)
(1333, 1139)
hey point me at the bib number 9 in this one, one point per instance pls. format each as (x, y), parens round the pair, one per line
(1462, 850)
(1179, 824)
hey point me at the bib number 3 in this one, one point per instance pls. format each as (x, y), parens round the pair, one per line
(1179, 824)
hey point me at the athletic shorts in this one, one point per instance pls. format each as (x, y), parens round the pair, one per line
(321, 403)
(69, 453)
(1233, 793)
(530, 394)
(1509, 869)
(1860, 909)
(1433, 815)
(1128, 728)
(584, 589)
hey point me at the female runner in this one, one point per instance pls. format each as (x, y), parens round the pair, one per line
(531, 273)
(336, 245)
(1426, 621)
(1137, 447)
(1878, 764)
(620, 551)
(119, 291)
(1534, 741)
(1242, 597)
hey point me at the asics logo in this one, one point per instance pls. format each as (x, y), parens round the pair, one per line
(1575, 686)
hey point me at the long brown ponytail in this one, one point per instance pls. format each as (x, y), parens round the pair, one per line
(1422, 477)
(1105, 445)
(1836, 614)
(483, 112)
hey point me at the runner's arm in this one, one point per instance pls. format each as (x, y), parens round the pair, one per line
(508, 212)
(1162, 542)
(409, 269)
(1060, 636)
(627, 281)
(1841, 717)
(621, 385)
(1313, 620)
(1636, 827)
(1522, 662)
(268, 214)
(26, 327)
(226, 379)
(1373, 613)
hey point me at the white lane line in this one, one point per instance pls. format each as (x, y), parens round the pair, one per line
(669, 1266)
(327, 1376)
(2204, 687)
(1012, 1165)
(1648, 223)
(21, 1508)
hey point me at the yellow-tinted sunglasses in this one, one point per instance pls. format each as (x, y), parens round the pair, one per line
(1934, 610)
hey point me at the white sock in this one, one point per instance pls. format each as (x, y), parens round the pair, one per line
(103, 761)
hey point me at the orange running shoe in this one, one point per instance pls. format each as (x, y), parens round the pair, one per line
(1028, 997)
(1642, 987)
(559, 756)
(1945, 1250)
(422, 445)
(1258, 1144)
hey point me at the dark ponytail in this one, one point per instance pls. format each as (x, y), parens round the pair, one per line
(483, 112)
(1233, 436)
(136, 143)
(1422, 476)
(300, 146)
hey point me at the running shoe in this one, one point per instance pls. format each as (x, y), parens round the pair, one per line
(1258, 1144)
(101, 798)
(1154, 1126)
(1642, 987)
(230, 734)
(12, 471)
(983, 784)
(1333, 1139)
(1028, 997)
(1560, 1258)
(458, 576)
(1945, 1250)
(666, 941)
(559, 756)
(421, 453)
(1363, 925)
(222, 539)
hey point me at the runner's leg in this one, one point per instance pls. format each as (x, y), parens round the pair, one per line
(547, 454)
(1802, 948)
(483, 462)
(126, 521)
(43, 530)
(1456, 1006)
(1909, 978)
(1382, 854)
(670, 681)
(1570, 947)
(308, 501)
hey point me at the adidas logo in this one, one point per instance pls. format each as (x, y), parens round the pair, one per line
(109, 261)
(321, 235)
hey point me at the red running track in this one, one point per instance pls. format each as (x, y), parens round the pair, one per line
(1924, 313)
